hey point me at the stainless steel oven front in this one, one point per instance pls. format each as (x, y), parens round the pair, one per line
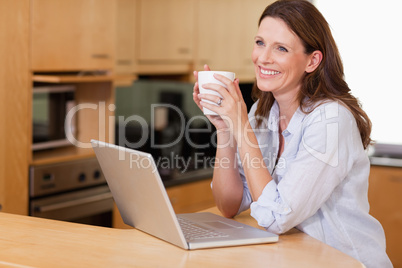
(74, 191)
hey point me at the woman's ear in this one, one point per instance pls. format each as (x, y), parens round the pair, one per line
(315, 60)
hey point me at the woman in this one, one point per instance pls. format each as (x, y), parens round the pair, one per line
(298, 158)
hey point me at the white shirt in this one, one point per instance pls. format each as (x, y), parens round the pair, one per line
(320, 182)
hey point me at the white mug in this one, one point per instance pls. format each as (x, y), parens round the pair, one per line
(207, 77)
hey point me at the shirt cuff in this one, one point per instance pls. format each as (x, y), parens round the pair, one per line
(269, 206)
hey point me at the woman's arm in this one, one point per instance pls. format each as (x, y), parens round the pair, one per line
(233, 112)
(256, 172)
(227, 186)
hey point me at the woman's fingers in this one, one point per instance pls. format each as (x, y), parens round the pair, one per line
(219, 89)
(195, 73)
(211, 98)
(211, 106)
(232, 87)
(238, 91)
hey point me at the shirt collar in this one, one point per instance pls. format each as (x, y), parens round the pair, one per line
(274, 117)
(294, 123)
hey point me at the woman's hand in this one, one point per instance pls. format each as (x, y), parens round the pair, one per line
(216, 120)
(233, 111)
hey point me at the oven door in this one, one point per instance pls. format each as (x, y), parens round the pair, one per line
(89, 206)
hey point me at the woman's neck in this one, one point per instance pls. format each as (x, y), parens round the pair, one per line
(286, 112)
(288, 103)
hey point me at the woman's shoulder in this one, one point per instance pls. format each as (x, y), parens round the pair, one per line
(330, 109)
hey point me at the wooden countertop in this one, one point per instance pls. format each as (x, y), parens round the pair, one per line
(34, 242)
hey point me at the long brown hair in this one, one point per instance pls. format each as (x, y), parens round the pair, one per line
(327, 81)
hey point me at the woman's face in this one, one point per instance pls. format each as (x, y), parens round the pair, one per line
(279, 59)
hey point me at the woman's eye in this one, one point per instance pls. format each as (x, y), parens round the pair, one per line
(282, 49)
(259, 43)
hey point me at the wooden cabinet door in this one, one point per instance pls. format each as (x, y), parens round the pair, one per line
(226, 31)
(385, 197)
(218, 38)
(72, 34)
(166, 30)
(15, 114)
(126, 23)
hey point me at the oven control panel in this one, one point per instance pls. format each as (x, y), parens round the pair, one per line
(65, 176)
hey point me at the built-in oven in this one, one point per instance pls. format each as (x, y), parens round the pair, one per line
(74, 191)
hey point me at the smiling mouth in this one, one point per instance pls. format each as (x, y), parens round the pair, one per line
(268, 72)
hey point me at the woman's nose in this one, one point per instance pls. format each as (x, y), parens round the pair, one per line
(266, 56)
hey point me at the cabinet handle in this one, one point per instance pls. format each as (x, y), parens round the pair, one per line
(71, 203)
(100, 56)
(395, 178)
(1, 207)
(124, 62)
(183, 50)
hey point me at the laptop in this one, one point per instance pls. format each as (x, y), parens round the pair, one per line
(143, 203)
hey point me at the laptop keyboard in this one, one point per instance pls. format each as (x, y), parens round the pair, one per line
(194, 231)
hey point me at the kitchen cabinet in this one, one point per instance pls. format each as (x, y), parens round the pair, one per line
(73, 43)
(225, 35)
(166, 36)
(385, 197)
(40, 36)
(14, 106)
(185, 198)
(72, 35)
(126, 29)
